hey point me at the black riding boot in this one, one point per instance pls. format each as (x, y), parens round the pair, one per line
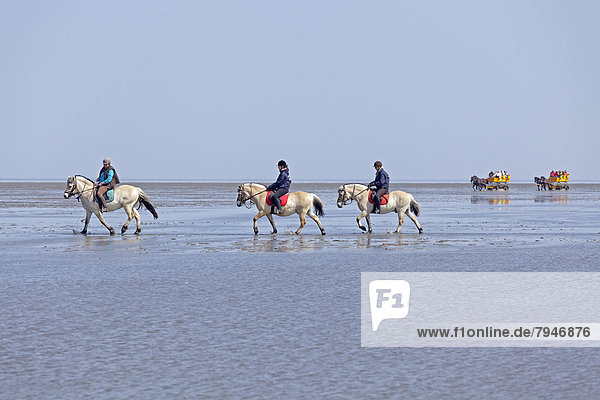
(376, 204)
(276, 208)
(103, 207)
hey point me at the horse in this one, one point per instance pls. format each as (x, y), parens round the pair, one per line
(398, 201)
(479, 183)
(300, 203)
(125, 196)
(541, 182)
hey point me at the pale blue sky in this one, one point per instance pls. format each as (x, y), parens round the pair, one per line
(224, 89)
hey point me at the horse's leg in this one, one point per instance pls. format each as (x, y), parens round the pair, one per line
(256, 217)
(103, 222)
(361, 216)
(136, 215)
(316, 219)
(302, 222)
(129, 211)
(270, 218)
(414, 219)
(88, 214)
(368, 218)
(400, 220)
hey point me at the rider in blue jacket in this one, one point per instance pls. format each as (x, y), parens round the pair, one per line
(280, 187)
(381, 184)
(106, 181)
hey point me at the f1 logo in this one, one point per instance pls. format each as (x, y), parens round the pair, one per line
(389, 299)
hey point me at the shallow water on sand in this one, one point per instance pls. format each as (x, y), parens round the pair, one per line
(197, 306)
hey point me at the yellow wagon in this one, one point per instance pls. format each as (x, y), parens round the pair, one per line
(560, 182)
(498, 182)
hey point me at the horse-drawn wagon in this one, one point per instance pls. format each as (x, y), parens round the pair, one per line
(495, 181)
(556, 181)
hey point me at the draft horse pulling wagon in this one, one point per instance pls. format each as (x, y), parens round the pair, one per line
(559, 181)
(493, 182)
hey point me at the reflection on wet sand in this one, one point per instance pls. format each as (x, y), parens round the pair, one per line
(551, 197)
(496, 199)
(303, 243)
(97, 242)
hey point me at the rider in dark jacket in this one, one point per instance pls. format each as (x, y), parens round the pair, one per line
(381, 184)
(280, 187)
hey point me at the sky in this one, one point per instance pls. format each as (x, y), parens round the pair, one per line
(222, 90)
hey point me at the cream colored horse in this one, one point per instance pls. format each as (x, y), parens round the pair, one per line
(126, 196)
(400, 202)
(300, 203)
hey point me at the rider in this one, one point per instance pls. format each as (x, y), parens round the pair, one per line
(107, 180)
(381, 184)
(281, 186)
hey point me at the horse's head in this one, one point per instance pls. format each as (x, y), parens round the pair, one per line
(343, 196)
(244, 193)
(474, 179)
(241, 196)
(71, 187)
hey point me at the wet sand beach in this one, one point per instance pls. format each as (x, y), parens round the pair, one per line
(197, 306)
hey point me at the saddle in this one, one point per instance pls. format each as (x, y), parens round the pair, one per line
(283, 199)
(384, 198)
(108, 196)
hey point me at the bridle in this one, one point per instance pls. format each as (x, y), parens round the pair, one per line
(354, 194)
(251, 195)
(75, 191)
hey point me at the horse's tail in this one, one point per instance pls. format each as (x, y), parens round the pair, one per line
(318, 204)
(144, 200)
(414, 206)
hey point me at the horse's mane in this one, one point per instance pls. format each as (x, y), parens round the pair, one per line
(84, 177)
(355, 183)
(255, 184)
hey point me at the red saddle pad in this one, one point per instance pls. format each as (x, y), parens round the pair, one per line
(384, 198)
(282, 199)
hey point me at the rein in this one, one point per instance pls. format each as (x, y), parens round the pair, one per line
(353, 195)
(84, 187)
(252, 195)
(84, 190)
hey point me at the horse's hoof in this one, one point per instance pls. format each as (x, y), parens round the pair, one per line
(420, 230)
(323, 233)
(137, 232)
(370, 231)
(363, 228)
(112, 232)
(83, 232)
(123, 230)
(274, 233)
(256, 231)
